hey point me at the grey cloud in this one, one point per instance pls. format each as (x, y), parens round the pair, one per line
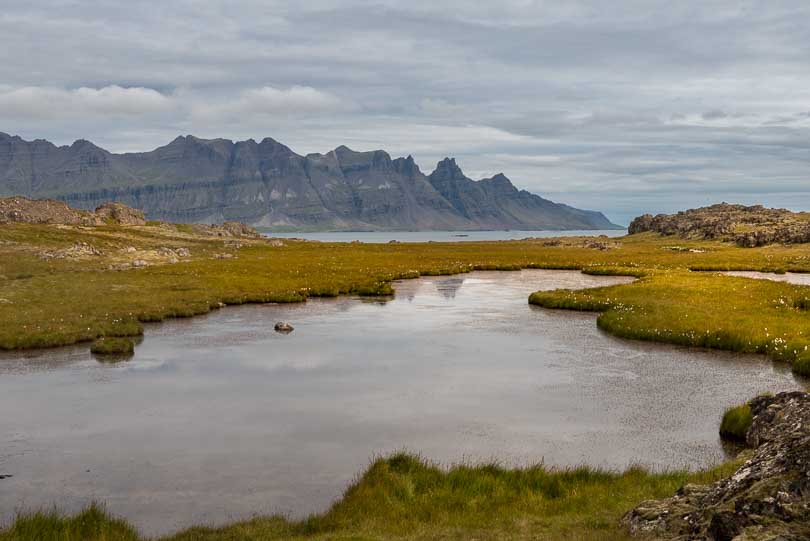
(627, 107)
(714, 115)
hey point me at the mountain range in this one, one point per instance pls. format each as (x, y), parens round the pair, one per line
(266, 184)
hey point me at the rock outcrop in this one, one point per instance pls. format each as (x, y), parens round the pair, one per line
(120, 214)
(767, 498)
(264, 183)
(746, 226)
(49, 211)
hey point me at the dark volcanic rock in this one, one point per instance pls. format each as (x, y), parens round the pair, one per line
(267, 184)
(746, 226)
(767, 498)
(283, 327)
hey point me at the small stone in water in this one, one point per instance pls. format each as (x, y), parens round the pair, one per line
(283, 327)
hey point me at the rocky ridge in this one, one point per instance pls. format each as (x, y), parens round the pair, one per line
(266, 184)
(747, 226)
(49, 211)
(767, 498)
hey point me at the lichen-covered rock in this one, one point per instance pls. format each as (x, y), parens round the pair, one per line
(120, 214)
(767, 498)
(283, 327)
(79, 251)
(238, 229)
(746, 226)
(42, 211)
(49, 211)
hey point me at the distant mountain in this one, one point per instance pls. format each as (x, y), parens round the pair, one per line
(266, 184)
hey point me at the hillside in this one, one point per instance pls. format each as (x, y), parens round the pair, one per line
(266, 184)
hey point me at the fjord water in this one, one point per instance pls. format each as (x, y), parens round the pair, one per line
(219, 418)
(377, 237)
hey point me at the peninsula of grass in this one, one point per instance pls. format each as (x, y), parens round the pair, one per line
(736, 422)
(406, 498)
(699, 309)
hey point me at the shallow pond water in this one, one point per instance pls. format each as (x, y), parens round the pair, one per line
(801, 279)
(219, 418)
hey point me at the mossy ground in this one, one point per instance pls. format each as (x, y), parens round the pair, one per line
(405, 498)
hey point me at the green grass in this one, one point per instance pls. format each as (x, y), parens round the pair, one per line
(113, 346)
(801, 366)
(60, 302)
(736, 422)
(699, 309)
(404, 497)
(92, 524)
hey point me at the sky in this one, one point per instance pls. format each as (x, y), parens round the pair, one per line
(623, 106)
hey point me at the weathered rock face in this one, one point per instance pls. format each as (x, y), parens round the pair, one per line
(767, 498)
(267, 184)
(42, 211)
(49, 211)
(746, 226)
(120, 214)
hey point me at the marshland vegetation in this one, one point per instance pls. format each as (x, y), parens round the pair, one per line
(404, 497)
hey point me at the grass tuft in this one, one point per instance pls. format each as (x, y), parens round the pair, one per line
(113, 346)
(92, 524)
(801, 366)
(736, 422)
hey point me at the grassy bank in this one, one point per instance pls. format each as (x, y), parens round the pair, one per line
(50, 301)
(699, 309)
(405, 498)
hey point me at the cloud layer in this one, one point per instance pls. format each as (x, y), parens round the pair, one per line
(625, 106)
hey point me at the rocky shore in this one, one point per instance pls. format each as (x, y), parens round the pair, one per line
(746, 226)
(767, 498)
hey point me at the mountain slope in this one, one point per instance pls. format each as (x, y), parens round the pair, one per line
(267, 184)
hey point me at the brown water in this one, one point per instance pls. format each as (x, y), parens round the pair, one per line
(219, 418)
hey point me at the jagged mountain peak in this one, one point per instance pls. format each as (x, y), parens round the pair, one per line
(448, 169)
(407, 166)
(85, 145)
(500, 182)
(211, 180)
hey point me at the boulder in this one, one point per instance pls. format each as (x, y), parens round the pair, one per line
(119, 214)
(283, 327)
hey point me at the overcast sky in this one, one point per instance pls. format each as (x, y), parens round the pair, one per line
(621, 106)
